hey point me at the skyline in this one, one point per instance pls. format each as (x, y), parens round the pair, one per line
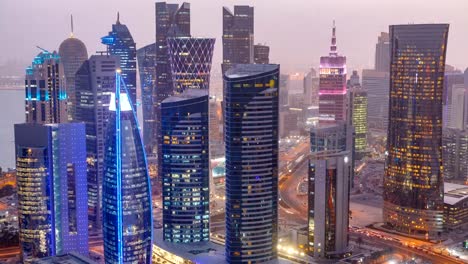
(357, 44)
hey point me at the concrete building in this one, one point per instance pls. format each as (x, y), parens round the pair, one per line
(455, 206)
(377, 86)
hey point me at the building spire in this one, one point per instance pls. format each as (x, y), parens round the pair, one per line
(118, 18)
(71, 26)
(333, 50)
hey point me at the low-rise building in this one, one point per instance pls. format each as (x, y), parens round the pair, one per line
(455, 206)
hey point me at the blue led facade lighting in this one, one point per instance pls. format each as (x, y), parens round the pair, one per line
(126, 194)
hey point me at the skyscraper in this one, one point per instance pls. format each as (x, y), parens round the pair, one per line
(146, 58)
(413, 182)
(261, 54)
(46, 98)
(238, 36)
(455, 154)
(330, 175)
(171, 21)
(332, 89)
(377, 86)
(358, 111)
(120, 43)
(382, 53)
(72, 53)
(251, 136)
(186, 167)
(51, 178)
(94, 82)
(126, 190)
(311, 88)
(190, 61)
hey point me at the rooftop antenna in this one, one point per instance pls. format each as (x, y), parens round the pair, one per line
(71, 24)
(333, 40)
(118, 18)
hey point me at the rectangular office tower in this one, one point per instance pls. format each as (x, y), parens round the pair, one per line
(332, 87)
(186, 167)
(238, 36)
(330, 175)
(46, 98)
(51, 178)
(251, 136)
(413, 182)
(94, 82)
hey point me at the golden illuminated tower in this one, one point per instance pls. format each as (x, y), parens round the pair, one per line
(413, 183)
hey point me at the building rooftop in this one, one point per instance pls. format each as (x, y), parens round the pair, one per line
(70, 258)
(454, 193)
(244, 70)
(202, 252)
(187, 94)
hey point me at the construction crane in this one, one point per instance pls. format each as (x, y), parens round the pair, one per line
(44, 50)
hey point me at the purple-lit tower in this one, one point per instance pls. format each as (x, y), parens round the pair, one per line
(332, 87)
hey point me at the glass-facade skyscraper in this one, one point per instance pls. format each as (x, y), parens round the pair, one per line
(172, 21)
(186, 167)
(146, 58)
(358, 111)
(120, 43)
(45, 96)
(332, 86)
(238, 36)
(190, 60)
(251, 136)
(94, 83)
(72, 53)
(382, 53)
(126, 191)
(261, 54)
(413, 182)
(51, 179)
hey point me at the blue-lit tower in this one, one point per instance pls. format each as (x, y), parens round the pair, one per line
(251, 136)
(46, 98)
(52, 197)
(120, 43)
(185, 167)
(126, 191)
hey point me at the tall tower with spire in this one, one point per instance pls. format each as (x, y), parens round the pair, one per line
(332, 86)
(73, 53)
(120, 43)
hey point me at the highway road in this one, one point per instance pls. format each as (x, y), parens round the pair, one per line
(9, 252)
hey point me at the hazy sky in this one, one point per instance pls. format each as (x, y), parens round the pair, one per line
(297, 31)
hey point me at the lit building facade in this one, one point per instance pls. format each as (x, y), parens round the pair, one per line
(190, 59)
(146, 58)
(120, 43)
(261, 54)
(72, 53)
(358, 110)
(186, 167)
(126, 191)
(94, 83)
(251, 136)
(332, 87)
(413, 182)
(330, 175)
(46, 98)
(238, 36)
(172, 21)
(51, 180)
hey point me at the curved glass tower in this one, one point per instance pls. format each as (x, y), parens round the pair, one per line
(190, 60)
(413, 183)
(251, 134)
(126, 201)
(185, 167)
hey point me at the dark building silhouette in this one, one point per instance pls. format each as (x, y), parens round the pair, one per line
(251, 136)
(382, 53)
(261, 54)
(238, 36)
